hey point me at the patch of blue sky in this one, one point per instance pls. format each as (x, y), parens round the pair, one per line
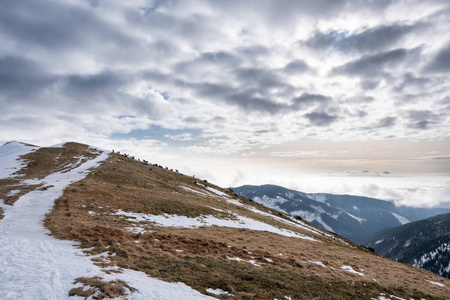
(149, 10)
(174, 137)
(124, 117)
(164, 94)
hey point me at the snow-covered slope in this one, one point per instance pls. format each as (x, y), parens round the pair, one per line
(34, 265)
(9, 157)
(352, 217)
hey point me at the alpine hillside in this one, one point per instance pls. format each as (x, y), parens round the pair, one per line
(353, 217)
(78, 222)
(424, 244)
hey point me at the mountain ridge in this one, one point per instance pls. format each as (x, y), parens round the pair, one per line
(353, 217)
(424, 244)
(113, 226)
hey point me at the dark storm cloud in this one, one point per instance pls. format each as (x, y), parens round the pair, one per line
(280, 13)
(56, 26)
(423, 119)
(441, 62)
(94, 3)
(296, 67)
(253, 51)
(319, 7)
(420, 115)
(246, 98)
(211, 90)
(192, 120)
(219, 59)
(218, 119)
(262, 78)
(92, 86)
(370, 65)
(195, 29)
(306, 99)
(21, 77)
(422, 124)
(370, 40)
(387, 122)
(320, 118)
(251, 103)
(410, 80)
(369, 84)
(251, 93)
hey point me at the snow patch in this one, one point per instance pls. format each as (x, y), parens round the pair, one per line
(13, 192)
(217, 192)
(289, 195)
(192, 190)
(360, 220)
(401, 219)
(350, 269)
(42, 267)
(217, 292)
(421, 261)
(310, 217)
(9, 157)
(270, 202)
(318, 209)
(317, 263)
(253, 262)
(436, 283)
(407, 243)
(317, 197)
(167, 220)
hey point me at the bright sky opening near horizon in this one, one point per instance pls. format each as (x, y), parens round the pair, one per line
(332, 96)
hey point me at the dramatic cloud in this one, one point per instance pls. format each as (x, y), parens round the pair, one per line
(372, 65)
(387, 122)
(225, 78)
(296, 67)
(320, 118)
(306, 99)
(441, 62)
(367, 41)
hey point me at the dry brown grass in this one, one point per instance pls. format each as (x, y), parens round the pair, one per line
(48, 160)
(96, 288)
(200, 257)
(41, 163)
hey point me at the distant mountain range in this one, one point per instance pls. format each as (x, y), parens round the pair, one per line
(353, 217)
(424, 244)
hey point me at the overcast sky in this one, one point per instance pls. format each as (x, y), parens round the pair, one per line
(325, 96)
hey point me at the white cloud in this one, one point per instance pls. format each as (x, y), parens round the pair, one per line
(247, 75)
(300, 154)
(180, 137)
